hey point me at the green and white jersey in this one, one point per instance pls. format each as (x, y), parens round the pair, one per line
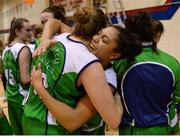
(95, 125)
(111, 77)
(31, 47)
(14, 91)
(61, 67)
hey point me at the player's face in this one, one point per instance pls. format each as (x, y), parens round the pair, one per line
(25, 33)
(45, 16)
(104, 43)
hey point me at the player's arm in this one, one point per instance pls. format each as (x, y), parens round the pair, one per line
(70, 118)
(51, 27)
(24, 65)
(100, 94)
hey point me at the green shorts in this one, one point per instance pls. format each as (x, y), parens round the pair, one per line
(36, 127)
(5, 128)
(154, 130)
(15, 116)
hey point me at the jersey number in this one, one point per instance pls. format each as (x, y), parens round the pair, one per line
(10, 77)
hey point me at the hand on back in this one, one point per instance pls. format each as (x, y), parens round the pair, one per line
(44, 45)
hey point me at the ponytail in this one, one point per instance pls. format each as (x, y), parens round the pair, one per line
(16, 23)
(11, 32)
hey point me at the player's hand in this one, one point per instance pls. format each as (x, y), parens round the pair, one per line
(117, 98)
(118, 102)
(44, 45)
(36, 78)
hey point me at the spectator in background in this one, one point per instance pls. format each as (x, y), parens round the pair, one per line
(36, 33)
(38, 29)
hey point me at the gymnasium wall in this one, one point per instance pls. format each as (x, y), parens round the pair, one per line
(170, 41)
(167, 11)
(18, 8)
(160, 9)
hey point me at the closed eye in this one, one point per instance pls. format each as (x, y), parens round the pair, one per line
(28, 30)
(105, 39)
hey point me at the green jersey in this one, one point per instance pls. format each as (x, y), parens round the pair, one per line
(142, 86)
(60, 70)
(14, 90)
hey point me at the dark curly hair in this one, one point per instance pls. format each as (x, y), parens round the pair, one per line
(129, 45)
(142, 25)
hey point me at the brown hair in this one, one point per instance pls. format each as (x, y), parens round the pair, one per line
(16, 24)
(88, 22)
(38, 29)
(158, 27)
(58, 12)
